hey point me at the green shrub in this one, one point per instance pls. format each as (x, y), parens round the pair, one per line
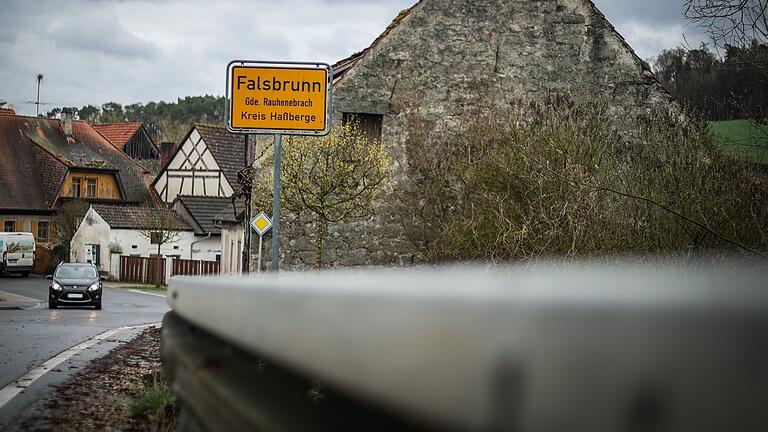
(559, 179)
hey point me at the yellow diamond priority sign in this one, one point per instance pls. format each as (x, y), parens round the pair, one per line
(261, 223)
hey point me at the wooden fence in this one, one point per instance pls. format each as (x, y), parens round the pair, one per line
(182, 267)
(142, 270)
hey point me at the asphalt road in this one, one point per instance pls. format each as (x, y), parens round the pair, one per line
(28, 338)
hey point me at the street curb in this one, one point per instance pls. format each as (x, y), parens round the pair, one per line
(12, 301)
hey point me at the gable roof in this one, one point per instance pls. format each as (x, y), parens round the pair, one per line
(140, 217)
(118, 133)
(343, 66)
(204, 211)
(19, 187)
(233, 212)
(35, 157)
(227, 148)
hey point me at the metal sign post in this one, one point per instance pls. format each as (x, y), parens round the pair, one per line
(258, 269)
(276, 203)
(278, 98)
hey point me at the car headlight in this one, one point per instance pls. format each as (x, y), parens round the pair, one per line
(56, 286)
(93, 287)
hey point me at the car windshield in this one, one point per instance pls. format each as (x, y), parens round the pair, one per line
(76, 272)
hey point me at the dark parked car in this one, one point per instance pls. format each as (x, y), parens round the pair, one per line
(75, 285)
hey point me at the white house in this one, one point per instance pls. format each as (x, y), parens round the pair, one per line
(230, 219)
(198, 182)
(200, 213)
(108, 231)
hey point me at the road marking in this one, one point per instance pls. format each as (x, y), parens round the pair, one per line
(37, 306)
(147, 293)
(13, 389)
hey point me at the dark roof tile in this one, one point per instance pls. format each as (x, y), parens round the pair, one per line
(204, 210)
(140, 217)
(232, 214)
(35, 156)
(227, 148)
(20, 188)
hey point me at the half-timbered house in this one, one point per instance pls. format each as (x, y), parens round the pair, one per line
(204, 164)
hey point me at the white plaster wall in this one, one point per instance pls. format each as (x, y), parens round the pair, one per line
(92, 230)
(205, 184)
(206, 249)
(231, 248)
(161, 182)
(133, 243)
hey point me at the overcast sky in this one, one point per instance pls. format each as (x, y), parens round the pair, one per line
(96, 51)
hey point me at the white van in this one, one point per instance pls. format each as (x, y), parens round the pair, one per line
(17, 250)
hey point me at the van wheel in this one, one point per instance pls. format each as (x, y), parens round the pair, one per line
(25, 274)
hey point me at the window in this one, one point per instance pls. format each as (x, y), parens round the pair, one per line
(76, 272)
(369, 123)
(74, 190)
(42, 230)
(90, 188)
(9, 226)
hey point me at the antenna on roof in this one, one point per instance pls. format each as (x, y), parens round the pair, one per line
(39, 81)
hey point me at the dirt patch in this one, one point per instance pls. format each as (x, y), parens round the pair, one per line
(99, 398)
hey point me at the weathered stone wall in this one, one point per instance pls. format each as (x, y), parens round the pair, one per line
(447, 57)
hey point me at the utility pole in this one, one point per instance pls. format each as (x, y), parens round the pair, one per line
(249, 154)
(276, 204)
(37, 103)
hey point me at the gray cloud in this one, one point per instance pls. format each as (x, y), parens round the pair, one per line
(95, 51)
(101, 34)
(662, 12)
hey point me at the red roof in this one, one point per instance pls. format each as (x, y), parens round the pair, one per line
(7, 111)
(118, 133)
(35, 156)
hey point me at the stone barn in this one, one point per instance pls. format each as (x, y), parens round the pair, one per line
(444, 57)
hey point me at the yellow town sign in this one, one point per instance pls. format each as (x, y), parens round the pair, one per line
(279, 98)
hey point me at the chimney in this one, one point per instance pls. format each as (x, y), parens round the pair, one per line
(166, 150)
(67, 115)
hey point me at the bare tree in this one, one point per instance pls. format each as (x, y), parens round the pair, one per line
(68, 219)
(730, 22)
(161, 226)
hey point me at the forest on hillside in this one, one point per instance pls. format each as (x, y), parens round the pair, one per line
(727, 87)
(165, 121)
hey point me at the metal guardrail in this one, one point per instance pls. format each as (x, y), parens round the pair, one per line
(592, 347)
